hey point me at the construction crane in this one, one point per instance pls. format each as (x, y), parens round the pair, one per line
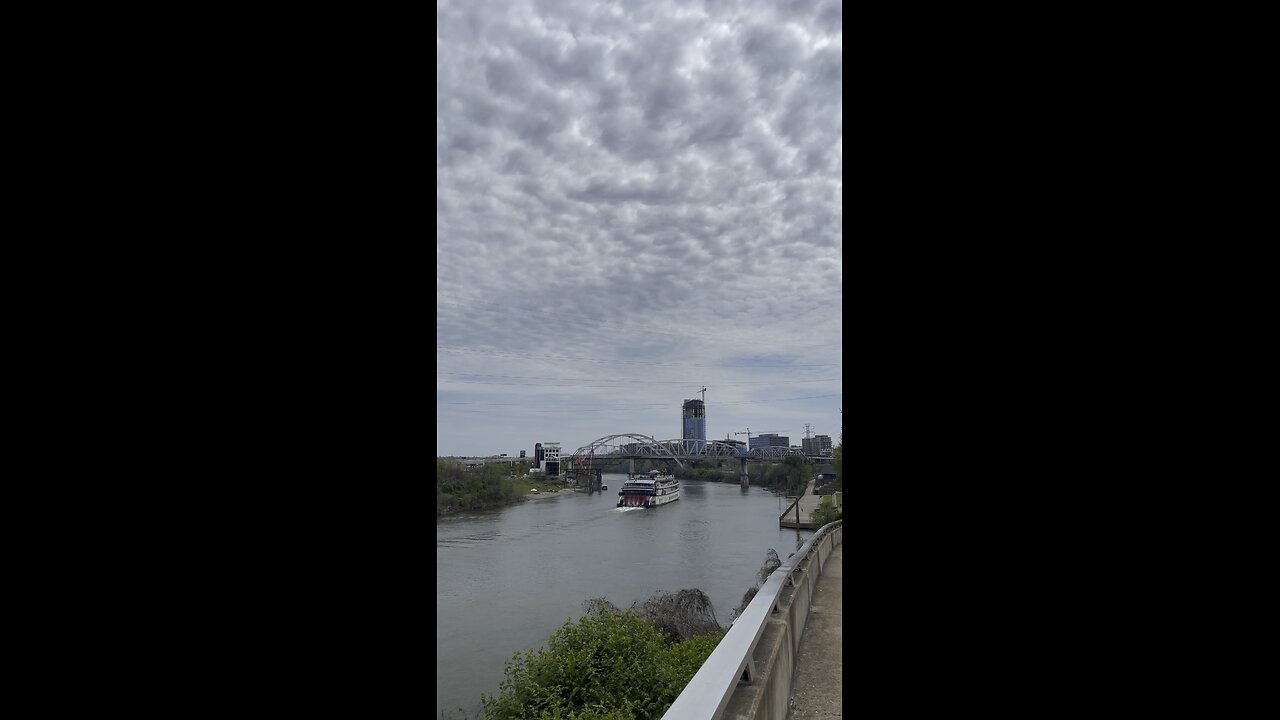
(762, 432)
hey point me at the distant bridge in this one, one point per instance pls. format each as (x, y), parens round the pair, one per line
(634, 446)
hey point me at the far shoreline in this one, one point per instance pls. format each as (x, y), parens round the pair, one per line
(540, 495)
(544, 495)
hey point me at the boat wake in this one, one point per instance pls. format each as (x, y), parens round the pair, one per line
(628, 509)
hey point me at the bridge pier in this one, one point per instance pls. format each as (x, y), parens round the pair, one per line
(631, 465)
(743, 478)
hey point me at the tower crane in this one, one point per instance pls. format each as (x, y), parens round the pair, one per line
(761, 432)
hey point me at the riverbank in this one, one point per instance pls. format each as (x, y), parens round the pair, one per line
(525, 496)
(540, 495)
(543, 495)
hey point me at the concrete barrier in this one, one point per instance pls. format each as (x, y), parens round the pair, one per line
(748, 675)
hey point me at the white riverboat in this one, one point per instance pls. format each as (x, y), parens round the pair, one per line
(650, 489)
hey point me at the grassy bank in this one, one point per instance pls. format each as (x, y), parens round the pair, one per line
(489, 486)
(826, 513)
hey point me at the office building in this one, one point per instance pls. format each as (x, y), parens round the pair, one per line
(769, 440)
(818, 445)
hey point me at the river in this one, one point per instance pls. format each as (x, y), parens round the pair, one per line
(506, 579)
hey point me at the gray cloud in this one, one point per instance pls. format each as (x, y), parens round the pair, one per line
(629, 192)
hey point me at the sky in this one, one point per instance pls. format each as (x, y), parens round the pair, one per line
(634, 201)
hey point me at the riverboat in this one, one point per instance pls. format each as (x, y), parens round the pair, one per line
(650, 489)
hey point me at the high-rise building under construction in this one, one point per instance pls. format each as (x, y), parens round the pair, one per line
(694, 414)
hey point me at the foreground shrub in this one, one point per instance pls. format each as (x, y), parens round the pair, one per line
(603, 666)
(826, 514)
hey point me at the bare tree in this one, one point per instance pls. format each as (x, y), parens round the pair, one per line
(599, 606)
(680, 615)
(771, 563)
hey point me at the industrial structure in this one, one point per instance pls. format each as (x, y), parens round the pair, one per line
(740, 445)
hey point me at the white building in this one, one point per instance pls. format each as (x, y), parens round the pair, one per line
(550, 462)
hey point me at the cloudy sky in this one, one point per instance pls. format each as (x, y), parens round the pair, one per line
(635, 200)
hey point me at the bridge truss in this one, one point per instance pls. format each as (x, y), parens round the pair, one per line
(635, 446)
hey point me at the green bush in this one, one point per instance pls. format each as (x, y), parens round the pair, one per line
(601, 667)
(826, 514)
(461, 489)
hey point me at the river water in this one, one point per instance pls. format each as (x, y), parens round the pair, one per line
(506, 579)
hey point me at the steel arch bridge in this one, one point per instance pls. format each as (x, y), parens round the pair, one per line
(634, 446)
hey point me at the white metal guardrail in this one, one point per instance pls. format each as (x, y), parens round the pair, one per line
(734, 659)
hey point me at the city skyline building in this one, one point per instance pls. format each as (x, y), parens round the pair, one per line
(817, 445)
(694, 416)
(550, 462)
(769, 440)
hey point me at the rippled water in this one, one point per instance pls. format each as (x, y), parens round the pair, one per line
(506, 579)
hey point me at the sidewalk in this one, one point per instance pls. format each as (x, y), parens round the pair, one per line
(816, 688)
(808, 503)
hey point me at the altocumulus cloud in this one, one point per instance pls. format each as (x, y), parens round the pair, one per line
(634, 200)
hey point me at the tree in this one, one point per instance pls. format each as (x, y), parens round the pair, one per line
(771, 563)
(826, 512)
(458, 488)
(606, 664)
